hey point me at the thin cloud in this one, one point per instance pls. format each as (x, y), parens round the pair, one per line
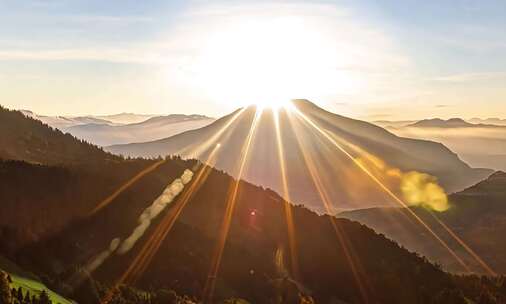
(471, 77)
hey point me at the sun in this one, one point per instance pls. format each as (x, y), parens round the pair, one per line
(267, 61)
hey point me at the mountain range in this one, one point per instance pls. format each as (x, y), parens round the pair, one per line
(151, 129)
(320, 150)
(124, 127)
(54, 228)
(478, 142)
(450, 123)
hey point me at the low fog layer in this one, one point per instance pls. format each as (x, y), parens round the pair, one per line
(478, 146)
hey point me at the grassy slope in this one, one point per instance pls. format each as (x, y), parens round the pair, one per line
(28, 281)
(36, 287)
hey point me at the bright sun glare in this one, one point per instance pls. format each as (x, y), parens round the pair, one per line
(268, 61)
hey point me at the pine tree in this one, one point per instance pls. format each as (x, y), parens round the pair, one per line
(27, 299)
(19, 295)
(44, 298)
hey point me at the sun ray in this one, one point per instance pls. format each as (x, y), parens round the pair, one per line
(355, 266)
(125, 186)
(383, 187)
(208, 291)
(466, 247)
(286, 193)
(151, 246)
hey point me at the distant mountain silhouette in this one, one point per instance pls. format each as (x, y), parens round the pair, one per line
(47, 227)
(151, 129)
(125, 118)
(441, 123)
(346, 185)
(61, 122)
(477, 215)
(122, 128)
(479, 144)
(493, 121)
(450, 123)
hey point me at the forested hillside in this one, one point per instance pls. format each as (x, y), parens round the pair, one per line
(24, 138)
(477, 215)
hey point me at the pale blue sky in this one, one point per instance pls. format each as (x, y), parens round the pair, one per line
(386, 59)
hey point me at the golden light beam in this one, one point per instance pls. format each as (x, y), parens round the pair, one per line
(197, 151)
(288, 208)
(232, 196)
(142, 260)
(383, 187)
(125, 186)
(355, 266)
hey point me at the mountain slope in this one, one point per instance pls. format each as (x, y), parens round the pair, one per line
(150, 129)
(477, 216)
(346, 185)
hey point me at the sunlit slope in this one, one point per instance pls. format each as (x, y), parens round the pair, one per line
(477, 215)
(305, 149)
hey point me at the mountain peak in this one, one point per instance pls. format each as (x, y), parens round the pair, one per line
(441, 123)
(492, 185)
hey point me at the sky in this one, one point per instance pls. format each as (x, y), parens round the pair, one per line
(376, 60)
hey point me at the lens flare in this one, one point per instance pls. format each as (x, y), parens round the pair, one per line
(150, 248)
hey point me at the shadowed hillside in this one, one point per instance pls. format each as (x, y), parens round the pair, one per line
(477, 215)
